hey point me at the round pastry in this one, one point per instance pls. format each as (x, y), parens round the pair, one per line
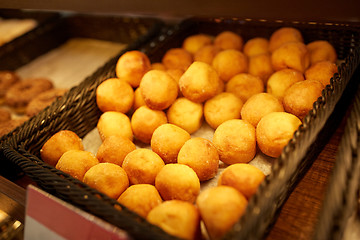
(138, 99)
(114, 94)
(199, 82)
(194, 42)
(175, 74)
(258, 106)
(292, 55)
(220, 208)
(178, 218)
(58, 144)
(21, 93)
(202, 156)
(274, 131)
(43, 100)
(229, 40)
(140, 198)
(230, 62)
(76, 163)
(167, 141)
(142, 166)
(244, 85)
(281, 80)
(7, 126)
(5, 115)
(144, 121)
(114, 149)
(158, 66)
(284, 35)
(206, 54)
(114, 123)
(222, 107)
(108, 178)
(177, 181)
(235, 141)
(256, 46)
(243, 177)
(321, 50)
(7, 79)
(321, 71)
(186, 114)
(158, 89)
(300, 97)
(261, 66)
(132, 66)
(177, 58)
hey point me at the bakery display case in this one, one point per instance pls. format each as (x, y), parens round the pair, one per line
(276, 200)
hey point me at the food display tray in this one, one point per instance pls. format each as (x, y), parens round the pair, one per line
(339, 217)
(78, 112)
(127, 32)
(9, 50)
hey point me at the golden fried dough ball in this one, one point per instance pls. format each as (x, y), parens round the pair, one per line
(177, 58)
(138, 99)
(243, 177)
(132, 66)
(114, 149)
(236, 141)
(261, 66)
(321, 71)
(142, 166)
(158, 66)
(140, 198)
(281, 80)
(222, 107)
(199, 82)
(284, 35)
(108, 178)
(114, 123)
(244, 85)
(186, 114)
(58, 144)
(256, 46)
(202, 156)
(114, 95)
(300, 97)
(291, 55)
(206, 54)
(158, 89)
(321, 50)
(258, 106)
(177, 181)
(274, 131)
(178, 218)
(230, 62)
(194, 42)
(144, 121)
(220, 208)
(229, 40)
(76, 163)
(167, 141)
(175, 74)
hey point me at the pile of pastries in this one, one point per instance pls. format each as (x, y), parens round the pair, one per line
(21, 99)
(253, 94)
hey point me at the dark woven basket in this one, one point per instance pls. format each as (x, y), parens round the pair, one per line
(9, 51)
(78, 112)
(342, 199)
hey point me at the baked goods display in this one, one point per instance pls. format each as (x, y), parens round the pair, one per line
(249, 97)
(11, 28)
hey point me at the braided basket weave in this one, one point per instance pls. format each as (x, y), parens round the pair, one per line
(78, 112)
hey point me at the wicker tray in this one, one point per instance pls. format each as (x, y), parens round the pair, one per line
(9, 50)
(340, 214)
(128, 31)
(79, 113)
